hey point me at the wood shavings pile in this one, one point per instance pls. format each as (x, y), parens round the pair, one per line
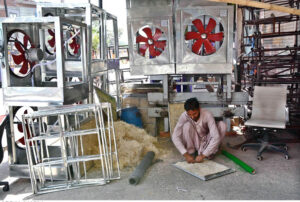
(132, 144)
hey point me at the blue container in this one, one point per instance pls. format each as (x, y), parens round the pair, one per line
(132, 115)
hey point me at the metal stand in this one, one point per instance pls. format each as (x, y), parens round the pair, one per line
(4, 121)
(67, 134)
(266, 62)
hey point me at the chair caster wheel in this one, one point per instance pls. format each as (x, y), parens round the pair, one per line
(6, 188)
(244, 149)
(259, 158)
(286, 157)
(285, 148)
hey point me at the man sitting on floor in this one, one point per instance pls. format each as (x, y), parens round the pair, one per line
(197, 131)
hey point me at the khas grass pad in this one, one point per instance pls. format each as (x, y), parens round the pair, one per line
(206, 170)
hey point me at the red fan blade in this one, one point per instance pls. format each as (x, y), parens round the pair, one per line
(73, 44)
(215, 37)
(25, 41)
(198, 24)
(192, 35)
(197, 45)
(209, 48)
(160, 44)
(158, 52)
(77, 46)
(51, 32)
(157, 34)
(18, 59)
(21, 140)
(52, 41)
(148, 32)
(141, 39)
(20, 128)
(143, 49)
(24, 68)
(19, 47)
(152, 51)
(211, 25)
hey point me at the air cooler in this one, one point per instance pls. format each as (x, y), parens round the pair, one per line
(204, 39)
(25, 81)
(150, 35)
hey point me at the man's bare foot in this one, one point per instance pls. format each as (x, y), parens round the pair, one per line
(212, 156)
(199, 158)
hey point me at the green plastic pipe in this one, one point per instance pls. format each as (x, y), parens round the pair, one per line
(239, 162)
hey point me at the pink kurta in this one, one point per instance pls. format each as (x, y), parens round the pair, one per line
(203, 136)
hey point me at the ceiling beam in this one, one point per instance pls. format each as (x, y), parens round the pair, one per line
(257, 4)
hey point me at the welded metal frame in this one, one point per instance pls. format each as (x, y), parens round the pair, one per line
(72, 159)
(45, 93)
(273, 65)
(87, 13)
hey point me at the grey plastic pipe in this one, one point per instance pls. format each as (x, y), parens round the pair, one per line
(140, 170)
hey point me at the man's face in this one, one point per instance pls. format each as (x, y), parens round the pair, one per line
(194, 114)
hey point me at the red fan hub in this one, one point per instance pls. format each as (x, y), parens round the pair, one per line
(203, 36)
(150, 41)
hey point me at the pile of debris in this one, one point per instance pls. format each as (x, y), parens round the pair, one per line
(132, 144)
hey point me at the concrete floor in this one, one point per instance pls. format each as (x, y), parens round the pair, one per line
(276, 178)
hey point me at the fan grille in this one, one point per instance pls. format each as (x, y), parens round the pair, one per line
(18, 42)
(205, 36)
(150, 42)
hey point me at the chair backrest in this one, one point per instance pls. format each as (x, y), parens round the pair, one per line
(269, 103)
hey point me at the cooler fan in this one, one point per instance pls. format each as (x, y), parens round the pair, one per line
(50, 35)
(153, 43)
(18, 43)
(50, 43)
(18, 128)
(204, 36)
(74, 45)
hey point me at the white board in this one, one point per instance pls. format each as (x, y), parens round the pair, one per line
(206, 170)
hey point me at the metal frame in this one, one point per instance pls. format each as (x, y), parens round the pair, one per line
(72, 159)
(262, 65)
(88, 13)
(20, 92)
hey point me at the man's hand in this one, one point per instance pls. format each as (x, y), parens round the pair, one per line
(199, 158)
(189, 158)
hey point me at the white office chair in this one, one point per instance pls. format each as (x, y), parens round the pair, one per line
(268, 114)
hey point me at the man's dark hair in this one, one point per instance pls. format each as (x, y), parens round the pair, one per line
(191, 104)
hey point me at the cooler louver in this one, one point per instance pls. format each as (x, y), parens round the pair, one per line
(151, 42)
(204, 36)
(18, 43)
